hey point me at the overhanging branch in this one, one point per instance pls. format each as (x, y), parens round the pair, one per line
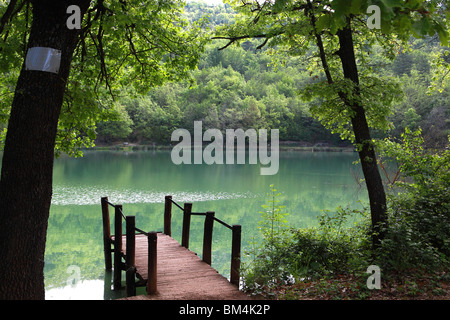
(7, 16)
(232, 40)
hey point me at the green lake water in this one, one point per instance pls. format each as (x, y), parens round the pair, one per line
(74, 261)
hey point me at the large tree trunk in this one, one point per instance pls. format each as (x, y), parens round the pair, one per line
(375, 189)
(26, 175)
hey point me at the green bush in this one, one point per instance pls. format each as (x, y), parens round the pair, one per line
(418, 236)
(337, 246)
(284, 255)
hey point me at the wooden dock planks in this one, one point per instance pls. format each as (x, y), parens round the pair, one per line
(181, 274)
(177, 272)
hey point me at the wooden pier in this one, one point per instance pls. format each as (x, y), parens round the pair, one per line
(167, 269)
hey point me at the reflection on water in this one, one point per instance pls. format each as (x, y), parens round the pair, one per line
(309, 182)
(89, 195)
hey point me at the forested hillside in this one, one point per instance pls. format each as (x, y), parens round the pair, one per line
(244, 87)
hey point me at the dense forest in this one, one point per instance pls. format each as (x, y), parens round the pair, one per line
(247, 87)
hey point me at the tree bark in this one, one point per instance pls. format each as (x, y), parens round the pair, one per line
(27, 166)
(375, 189)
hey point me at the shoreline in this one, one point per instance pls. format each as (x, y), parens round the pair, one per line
(131, 147)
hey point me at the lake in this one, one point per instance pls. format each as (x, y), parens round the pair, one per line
(74, 263)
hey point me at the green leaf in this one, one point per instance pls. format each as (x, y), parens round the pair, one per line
(279, 5)
(422, 27)
(443, 36)
(341, 7)
(355, 6)
(323, 22)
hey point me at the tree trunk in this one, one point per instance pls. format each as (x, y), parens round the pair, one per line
(27, 167)
(375, 189)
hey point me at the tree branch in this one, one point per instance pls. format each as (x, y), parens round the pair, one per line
(7, 16)
(231, 40)
(308, 12)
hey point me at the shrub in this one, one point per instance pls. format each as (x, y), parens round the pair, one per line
(285, 254)
(337, 246)
(418, 236)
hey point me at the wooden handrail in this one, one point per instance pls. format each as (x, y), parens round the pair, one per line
(207, 234)
(130, 253)
(223, 223)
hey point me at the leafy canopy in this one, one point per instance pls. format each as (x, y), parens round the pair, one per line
(121, 43)
(309, 28)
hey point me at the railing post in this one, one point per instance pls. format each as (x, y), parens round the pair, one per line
(168, 215)
(107, 293)
(106, 233)
(130, 277)
(152, 263)
(118, 247)
(131, 241)
(186, 225)
(235, 254)
(207, 237)
(130, 256)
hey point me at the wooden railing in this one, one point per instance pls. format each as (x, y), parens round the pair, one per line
(113, 243)
(207, 234)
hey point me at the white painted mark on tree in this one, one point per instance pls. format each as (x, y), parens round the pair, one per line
(43, 59)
